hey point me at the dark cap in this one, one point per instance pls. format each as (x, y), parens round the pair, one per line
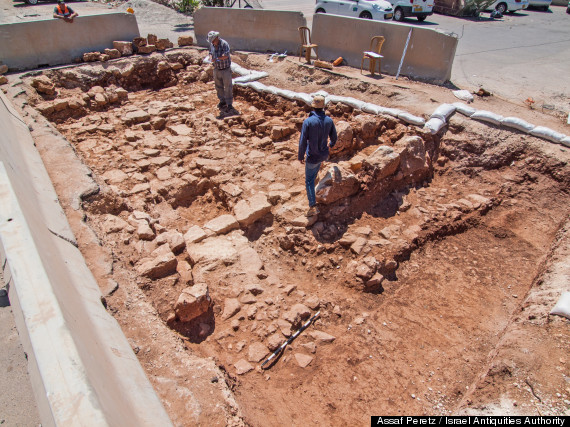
(61, 1)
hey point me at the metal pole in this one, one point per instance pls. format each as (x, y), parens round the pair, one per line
(295, 335)
(404, 54)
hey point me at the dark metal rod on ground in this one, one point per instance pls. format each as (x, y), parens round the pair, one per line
(291, 338)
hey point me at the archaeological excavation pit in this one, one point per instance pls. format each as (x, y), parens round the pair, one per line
(426, 260)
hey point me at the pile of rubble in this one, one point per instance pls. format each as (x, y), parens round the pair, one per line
(140, 45)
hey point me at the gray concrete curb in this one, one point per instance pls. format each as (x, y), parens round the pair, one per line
(82, 368)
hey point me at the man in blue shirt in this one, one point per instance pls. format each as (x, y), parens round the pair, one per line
(220, 55)
(313, 147)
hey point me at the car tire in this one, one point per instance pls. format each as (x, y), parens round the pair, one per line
(320, 10)
(32, 1)
(398, 14)
(422, 18)
(365, 15)
(502, 8)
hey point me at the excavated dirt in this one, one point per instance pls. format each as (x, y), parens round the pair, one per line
(431, 280)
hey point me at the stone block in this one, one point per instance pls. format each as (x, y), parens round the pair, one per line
(162, 44)
(194, 234)
(113, 53)
(250, 210)
(192, 302)
(338, 183)
(383, 162)
(161, 266)
(125, 48)
(222, 224)
(185, 41)
(146, 49)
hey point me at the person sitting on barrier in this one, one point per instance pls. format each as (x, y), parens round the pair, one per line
(220, 55)
(63, 11)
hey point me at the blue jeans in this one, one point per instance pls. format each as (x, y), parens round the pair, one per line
(311, 171)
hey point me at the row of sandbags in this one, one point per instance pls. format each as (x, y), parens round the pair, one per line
(436, 122)
(357, 104)
(442, 113)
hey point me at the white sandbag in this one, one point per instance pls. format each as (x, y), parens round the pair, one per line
(464, 95)
(518, 124)
(411, 119)
(434, 125)
(562, 307)
(289, 94)
(548, 134)
(487, 116)
(394, 112)
(274, 90)
(259, 87)
(354, 103)
(335, 99)
(244, 79)
(443, 112)
(305, 97)
(464, 109)
(367, 107)
(236, 68)
(252, 76)
(565, 141)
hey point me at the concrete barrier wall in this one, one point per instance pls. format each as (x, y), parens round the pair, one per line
(82, 368)
(33, 44)
(429, 56)
(250, 29)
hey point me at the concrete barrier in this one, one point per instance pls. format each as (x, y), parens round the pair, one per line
(429, 55)
(82, 368)
(250, 29)
(28, 45)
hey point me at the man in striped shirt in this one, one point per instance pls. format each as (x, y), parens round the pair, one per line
(220, 55)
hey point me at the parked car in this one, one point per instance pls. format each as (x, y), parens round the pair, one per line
(420, 9)
(379, 10)
(510, 6)
(540, 4)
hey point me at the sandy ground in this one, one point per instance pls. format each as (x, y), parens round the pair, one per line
(424, 284)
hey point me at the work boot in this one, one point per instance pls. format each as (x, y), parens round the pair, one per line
(231, 111)
(313, 211)
(222, 105)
